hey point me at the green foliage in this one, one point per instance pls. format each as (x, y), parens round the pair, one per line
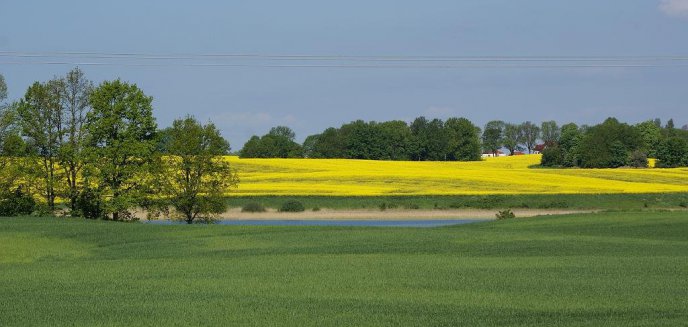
(75, 93)
(16, 203)
(553, 156)
(531, 133)
(505, 214)
(40, 116)
(455, 139)
(464, 139)
(278, 143)
(513, 137)
(283, 131)
(431, 140)
(550, 132)
(253, 207)
(608, 145)
(651, 137)
(121, 143)
(492, 136)
(89, 204)
(193, 176)
(364, 140)
(673, 152)
(292, 206)
(638, 159)
(329, 144)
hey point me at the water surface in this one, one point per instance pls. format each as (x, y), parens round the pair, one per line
(335, 222)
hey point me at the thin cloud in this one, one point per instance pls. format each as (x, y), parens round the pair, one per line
(675, 8)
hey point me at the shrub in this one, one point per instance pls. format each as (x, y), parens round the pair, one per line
(315, 209)
(412, 206)
(683, 204)
(638, 159)
(552, 156)
(16, 203)
(292, 206)
(253, 207)
(553, 205)
(505, 214)
(89, 205)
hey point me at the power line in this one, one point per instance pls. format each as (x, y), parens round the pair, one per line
(334, 61)
(300, 57)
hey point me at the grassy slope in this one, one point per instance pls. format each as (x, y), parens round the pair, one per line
(539, 201)
(624, 269)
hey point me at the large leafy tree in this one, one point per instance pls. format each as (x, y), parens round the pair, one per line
(531, 133)
(464, 140)
(194, 175)
(121, 143)
(329, 144)
(492, 136)
(608, 145)
(76, 105)
(550, 132)
(11, 143)
(278, 143)
(651, 137)
(364, 140)
(673, 152)
(431, 140)
(396, 139)
(513, 137)
(40, 116)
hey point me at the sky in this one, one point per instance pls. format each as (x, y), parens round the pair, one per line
(247, 96)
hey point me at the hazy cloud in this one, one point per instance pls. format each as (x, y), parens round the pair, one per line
(677, 8)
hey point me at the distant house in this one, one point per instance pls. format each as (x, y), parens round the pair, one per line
(539, 148)
(488, 154)
(518, 153)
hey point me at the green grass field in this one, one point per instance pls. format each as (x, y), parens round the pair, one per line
(535, 201)
(607, 269)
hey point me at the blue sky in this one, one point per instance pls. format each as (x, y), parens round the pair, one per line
(244, 101)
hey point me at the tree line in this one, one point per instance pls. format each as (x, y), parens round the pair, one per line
(610, 144)
(100, 150)
(613, 144)
(423, 139)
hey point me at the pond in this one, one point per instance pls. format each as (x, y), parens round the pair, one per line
(334, 222)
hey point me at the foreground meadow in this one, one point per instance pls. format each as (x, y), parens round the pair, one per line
(611, 269)
(504, 175)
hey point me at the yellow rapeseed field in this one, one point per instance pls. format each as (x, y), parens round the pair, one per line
(505, 175)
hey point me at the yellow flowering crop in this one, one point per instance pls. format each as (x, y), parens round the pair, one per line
(504, 175)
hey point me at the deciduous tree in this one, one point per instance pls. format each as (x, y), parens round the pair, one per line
(121, 143)
(531, 133)
(492, 136)
(41, 119)
(550, 132)
(75, 103)
(194, 175)
(464, 139)
(513, 137)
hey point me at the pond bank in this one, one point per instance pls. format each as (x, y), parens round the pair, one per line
(390, 214)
